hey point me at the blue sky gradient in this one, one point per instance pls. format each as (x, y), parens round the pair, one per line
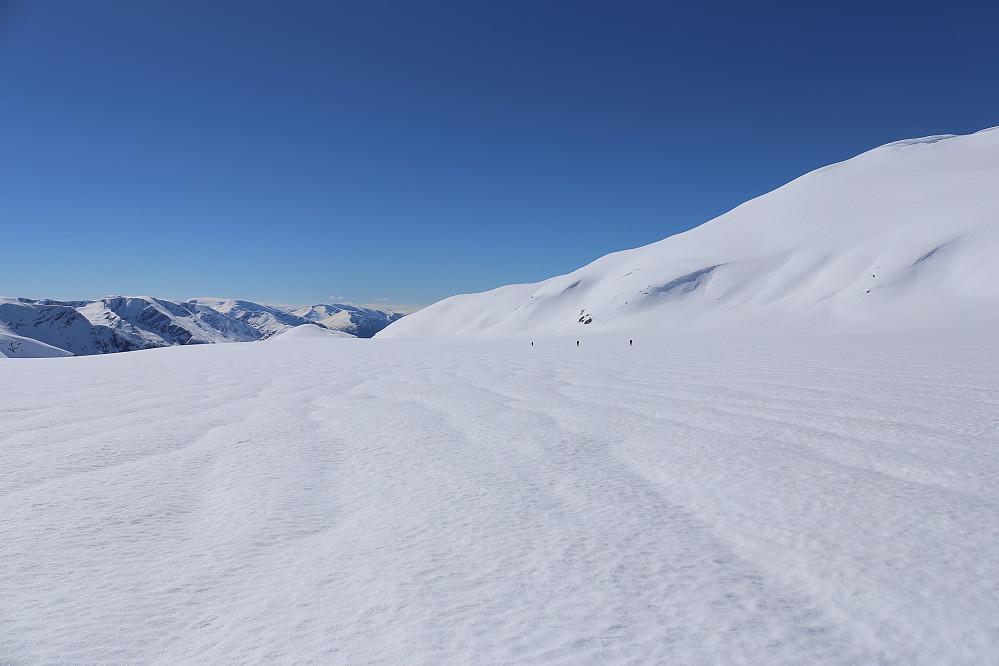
(402, 152)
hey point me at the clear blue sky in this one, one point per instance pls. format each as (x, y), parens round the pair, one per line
(291, 152)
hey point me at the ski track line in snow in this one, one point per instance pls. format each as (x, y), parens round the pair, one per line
(389, 502)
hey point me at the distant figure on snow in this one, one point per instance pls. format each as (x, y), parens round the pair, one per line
(577, 343)
(631, 342)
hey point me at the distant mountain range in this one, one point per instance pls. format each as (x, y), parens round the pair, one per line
(42, 327)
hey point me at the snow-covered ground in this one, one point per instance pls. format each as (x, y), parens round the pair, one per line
(727, 498)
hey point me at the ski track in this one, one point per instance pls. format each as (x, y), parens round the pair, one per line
(344, 501)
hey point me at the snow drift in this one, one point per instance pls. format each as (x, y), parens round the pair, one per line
(905, 234)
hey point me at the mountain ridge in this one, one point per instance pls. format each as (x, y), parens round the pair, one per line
(46, 327)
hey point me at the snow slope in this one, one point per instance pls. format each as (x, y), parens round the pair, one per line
(692, 499)
(17, 346)
(61, 325)
(905, 234)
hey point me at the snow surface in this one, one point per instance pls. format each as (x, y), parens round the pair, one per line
(906, 233)
(740, 499)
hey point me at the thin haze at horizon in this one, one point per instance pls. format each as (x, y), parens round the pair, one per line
(396, 153)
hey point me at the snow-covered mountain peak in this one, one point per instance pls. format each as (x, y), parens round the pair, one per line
(44, 327)
(362, 322)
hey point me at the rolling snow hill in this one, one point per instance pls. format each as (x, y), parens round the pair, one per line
(33, 327)
(308, 332)
(906, 235)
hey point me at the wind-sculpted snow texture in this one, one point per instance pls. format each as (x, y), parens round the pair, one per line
(907, 232)
(326, 500)
(38, 328)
